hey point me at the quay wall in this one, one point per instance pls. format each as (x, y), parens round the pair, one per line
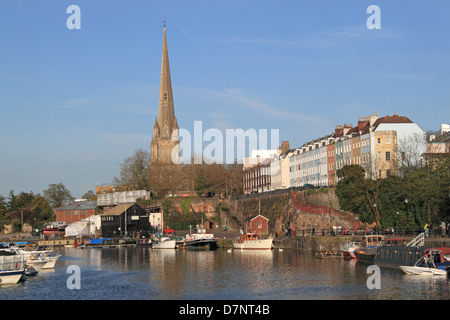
(286, 209)
(295, 209)
(323, 243)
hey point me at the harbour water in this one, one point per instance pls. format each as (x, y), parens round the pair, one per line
(137, 273)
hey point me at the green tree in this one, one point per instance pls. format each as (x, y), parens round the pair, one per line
(57, 195)
(88, 195)
(41, 208)
(353, 191)
(429, 191)
(391, 202)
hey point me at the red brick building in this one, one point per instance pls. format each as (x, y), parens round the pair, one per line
(257, 224)
(256, 178)
(76, 211)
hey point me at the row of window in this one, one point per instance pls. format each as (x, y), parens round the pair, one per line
(75, 213)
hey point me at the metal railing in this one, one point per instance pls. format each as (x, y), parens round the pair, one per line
(400, 232)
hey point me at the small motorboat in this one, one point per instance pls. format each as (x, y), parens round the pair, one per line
(165, 243)
(348, 249)
(434, 262)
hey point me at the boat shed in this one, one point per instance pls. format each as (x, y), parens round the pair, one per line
(124, 220)
(257, 224)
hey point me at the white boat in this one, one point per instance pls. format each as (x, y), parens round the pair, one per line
(12, 267)
(51, 261)
(252, 241)
(33, 265)
(200, 240)
(165, 243)
(423, 270)
(348, 249)
(432, 263)
(44, 253)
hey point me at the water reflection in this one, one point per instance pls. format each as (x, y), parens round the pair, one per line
(145, 273)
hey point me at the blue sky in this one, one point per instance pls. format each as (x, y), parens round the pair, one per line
(75, 103)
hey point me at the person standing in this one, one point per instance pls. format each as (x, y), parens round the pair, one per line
(443, 228)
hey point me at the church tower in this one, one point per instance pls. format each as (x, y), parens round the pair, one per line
(165, 145)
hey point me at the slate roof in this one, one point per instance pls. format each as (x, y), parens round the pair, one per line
(79, 205)
(117, 210)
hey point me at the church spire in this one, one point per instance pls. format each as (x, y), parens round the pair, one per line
(164, 147)
(166, 114)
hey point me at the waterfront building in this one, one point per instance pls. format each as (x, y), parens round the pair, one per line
(331, 163)
(407, 149)
(279, 171)
(279, 168)
(296, 168)
(347, 145)
(439, 142)
(374, 144)
(339, 158)
(155, 217)
(292, 169)
(257, 178)
(356, 146)
(165, 144)
(76, 211)
(385, 150)
(323, 160)
(256, 171)
(124, 220)
(257, 224)
(114, 198)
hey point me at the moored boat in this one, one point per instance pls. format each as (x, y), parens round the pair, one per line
(435, 261)
(348, 249)
(43, 253)
(12, 267)
(366, 253)
(252, 241)
(33, 264)
(394, 252)
(54, 229)
(200, 240)
(165, 243)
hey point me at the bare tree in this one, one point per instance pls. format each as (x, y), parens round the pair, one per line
(411, 148)
(134, 171)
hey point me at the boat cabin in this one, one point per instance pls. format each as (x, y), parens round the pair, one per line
(372, 240)
(440, 255)
(393, 242)
(249, 236)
